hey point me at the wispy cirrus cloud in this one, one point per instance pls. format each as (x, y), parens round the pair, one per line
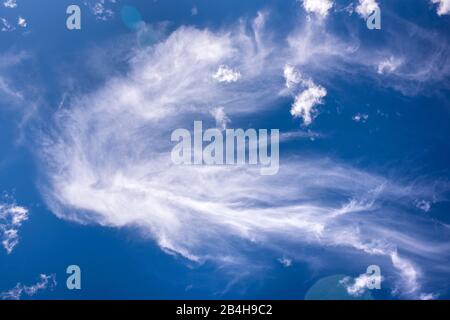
(11, 218)
(108, 160)
(8, 87)
(221, 117)
(45, 282)
(316, 50)
(6, 25)
(17, 97)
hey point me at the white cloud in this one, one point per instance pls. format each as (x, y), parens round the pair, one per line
(100, 9)
(291, 76)
(311, 45)
(10, 3)
(443, 8)
(319, 7)
(305, 102)
(9, 92)
(366, 7)
(11, 219)
(22, 22)
(226, 74)
(428, 296)
(356, 287)
(221, 118)
(108, 161)
(409, 273)
(360, 117)
(45, 282)
(7, 27)
(389, 65)
(415, 65)
(423, 205)
(14, 95)
(12, 59)
(300, 134)
(285, 262)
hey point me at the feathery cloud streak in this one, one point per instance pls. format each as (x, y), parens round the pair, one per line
(108, 160)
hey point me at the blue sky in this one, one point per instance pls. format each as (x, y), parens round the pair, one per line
(86, 178)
